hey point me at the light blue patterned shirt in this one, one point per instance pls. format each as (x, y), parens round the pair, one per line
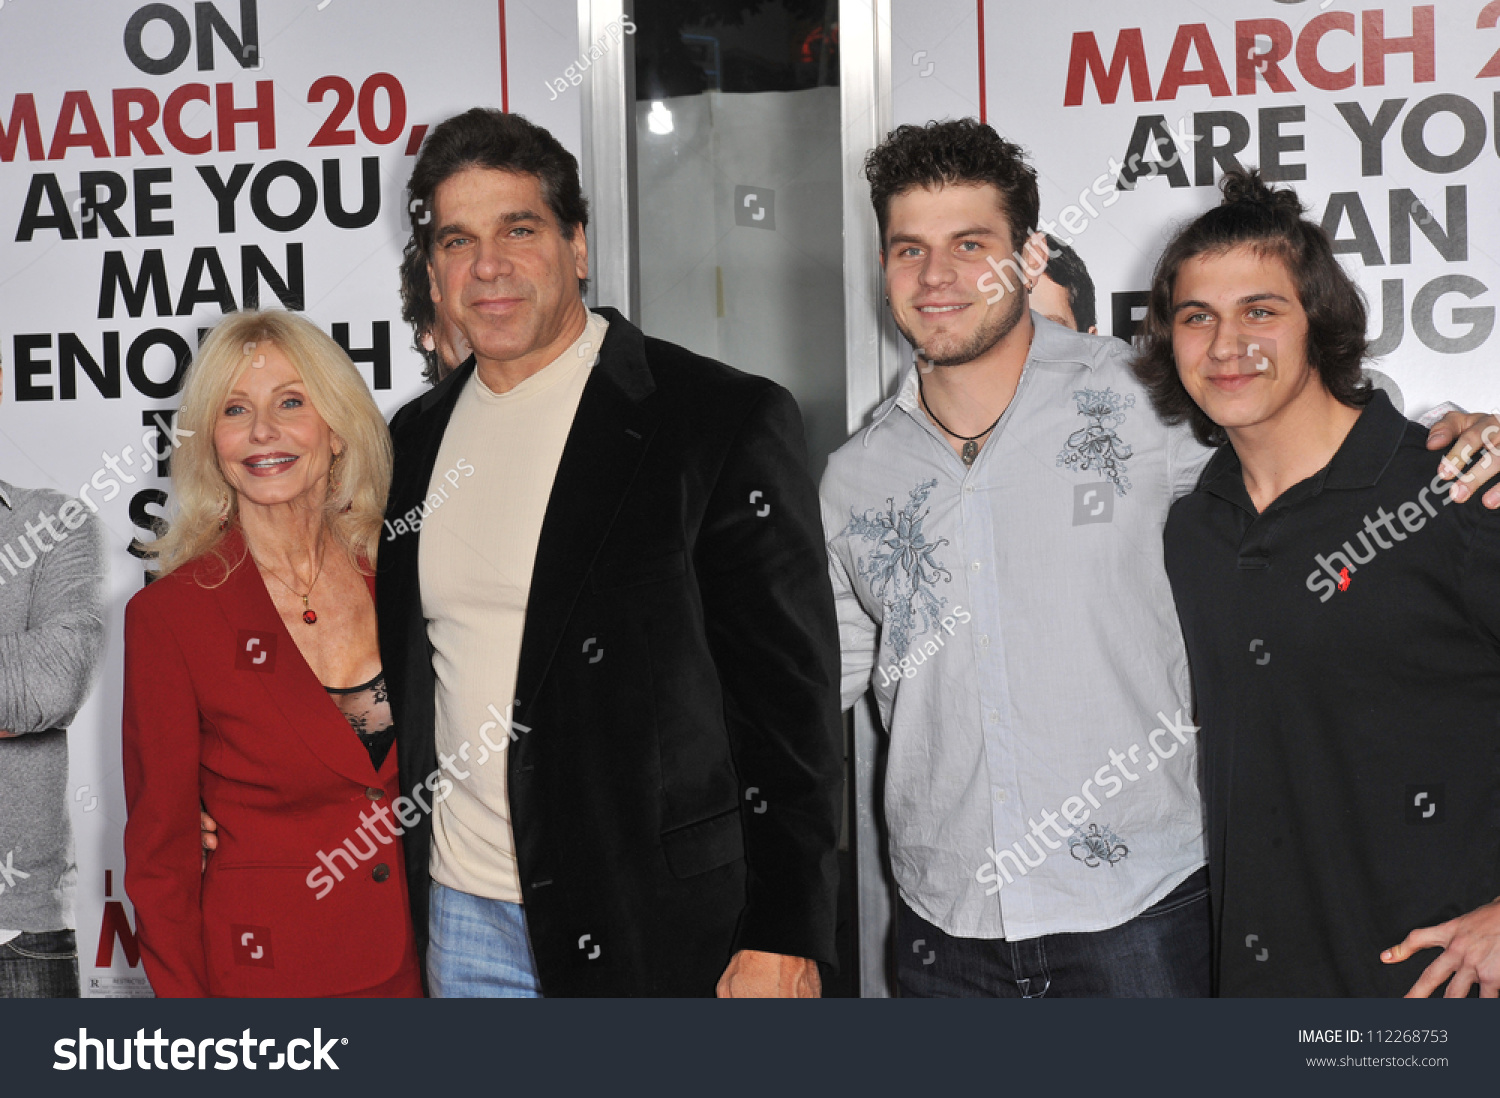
(1015, 622)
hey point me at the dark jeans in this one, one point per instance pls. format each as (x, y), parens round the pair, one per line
(1161, 953)
(40, 966)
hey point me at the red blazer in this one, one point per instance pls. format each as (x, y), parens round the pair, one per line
(221, 707)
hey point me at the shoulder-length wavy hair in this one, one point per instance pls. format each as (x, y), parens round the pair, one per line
(202, 497)
(1270, 221)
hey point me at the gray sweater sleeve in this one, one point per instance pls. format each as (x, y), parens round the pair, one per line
(47, 667)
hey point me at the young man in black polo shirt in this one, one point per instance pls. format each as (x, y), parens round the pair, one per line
(1342, 619)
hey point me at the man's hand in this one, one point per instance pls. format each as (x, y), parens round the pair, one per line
(755, 975)
(208, 834)
(1471, 953)
(7, 735)
(1465, 434)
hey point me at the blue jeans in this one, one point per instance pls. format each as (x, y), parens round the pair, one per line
(1161, 953)
(40, 966)
(478, 948)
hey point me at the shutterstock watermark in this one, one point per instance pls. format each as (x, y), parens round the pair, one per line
(188, 1054)
(1096, 845)
(1326, 580)
(378, 827)
(70, 516)
(1071, 221)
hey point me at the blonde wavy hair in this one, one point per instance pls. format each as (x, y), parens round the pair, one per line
(202, 498)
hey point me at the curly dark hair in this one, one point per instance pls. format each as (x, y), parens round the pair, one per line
(954, 151)
(1269, 220)
(1066, 269)
(418, 310)
(481, 137)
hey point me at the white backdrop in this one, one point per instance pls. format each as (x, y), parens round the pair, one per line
(1301, 87)
(84, 360)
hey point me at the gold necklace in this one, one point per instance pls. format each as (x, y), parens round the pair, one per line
(309, 615)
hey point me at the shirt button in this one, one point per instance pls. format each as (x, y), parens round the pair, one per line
(374, 794)
(1001, 796)
(984, 640)
(976, 566)
(381, 873)
(968, 489)
(993, 716)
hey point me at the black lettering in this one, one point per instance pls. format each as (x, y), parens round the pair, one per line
(94, 208)
(135, 362)
(245, 46)
(333, 205)
(225, 191)
(1206, 153)
(155, 525)
(1393, 318)
(1452, 244)
(254, 266)
(1371, 132)
(1481, 320)
(28, 368)
(1414, 134)
(307, 200)
(1273, 143)
(147, 201)
(1151, 133)
(59, 217)
(71, 354)
(182, 39)
(194, 293)
(378, 354)
(116, 277)
(1363, 243)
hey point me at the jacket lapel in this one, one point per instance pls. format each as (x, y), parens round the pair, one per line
(611, 430)
(292, 688)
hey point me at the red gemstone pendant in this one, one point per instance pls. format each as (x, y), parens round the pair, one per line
(310, 616)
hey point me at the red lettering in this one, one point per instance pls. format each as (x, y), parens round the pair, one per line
(263, 114)
(127, 127)
(1249, 60)
(76, 104)
(22, 121)
(1422, 45)
(1086, 59)
(1307, 51)
(1193, 36)
(171, 120)
(116, 925)
(1487, 20)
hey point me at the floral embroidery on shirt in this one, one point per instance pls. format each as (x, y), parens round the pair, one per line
(1097, 446)
(1096, 846)
(901, 569)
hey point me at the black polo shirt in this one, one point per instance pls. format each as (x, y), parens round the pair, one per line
(1347, 678)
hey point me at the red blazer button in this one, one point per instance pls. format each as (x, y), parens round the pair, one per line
(381, 872)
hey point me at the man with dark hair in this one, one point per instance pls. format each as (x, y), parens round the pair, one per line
(51, 637)
(435, 337)
(609, 642)
(1064, 292)
(1343, 623)
(994, 543)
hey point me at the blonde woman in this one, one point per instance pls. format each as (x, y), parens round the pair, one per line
(253, 686)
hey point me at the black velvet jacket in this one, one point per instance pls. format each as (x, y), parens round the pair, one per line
(675, 799)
